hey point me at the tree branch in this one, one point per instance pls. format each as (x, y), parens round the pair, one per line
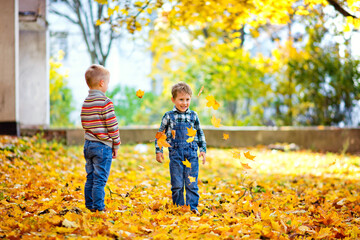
(98, 35)
(340, 9)
(87, 23)
(63, 15)
(109, 45)
(83, 30)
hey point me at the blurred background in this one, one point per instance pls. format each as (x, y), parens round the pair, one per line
(268, 63)
(285, 65)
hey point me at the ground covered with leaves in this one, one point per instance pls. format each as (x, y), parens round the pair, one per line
(285, 195)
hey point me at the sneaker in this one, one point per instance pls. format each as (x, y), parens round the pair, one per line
(195, 211)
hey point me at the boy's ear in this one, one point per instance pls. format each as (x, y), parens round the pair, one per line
(172, 99)
(101, 82)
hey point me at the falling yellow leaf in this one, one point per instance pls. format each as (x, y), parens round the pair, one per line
(225, 136)
(192, 179)
(215, 121)
(187, 163)
(190, 139)
(201, 89)
(140, 93)
(191, 132)
(249, 156)
(173, 132)
(212, 102)
(246, 166)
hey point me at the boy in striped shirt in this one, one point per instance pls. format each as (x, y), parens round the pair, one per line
(102, 138)
(184, 161)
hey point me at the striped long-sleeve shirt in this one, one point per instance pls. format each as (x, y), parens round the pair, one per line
(182, 117)
(98, 119)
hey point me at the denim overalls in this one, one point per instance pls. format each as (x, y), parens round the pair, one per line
(179, 173)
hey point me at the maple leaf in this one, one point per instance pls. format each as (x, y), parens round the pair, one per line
(140, 93)
(190, 139)
(225, 136)
(187, 163)
(249, 156)
(201, 89)
(161, 139)
(192, 179)
(246, 166)
(215, 121)
(191, 132)
(212, 102)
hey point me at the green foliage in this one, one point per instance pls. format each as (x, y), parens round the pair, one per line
(61, 98)
(228, 72)
(317, 85)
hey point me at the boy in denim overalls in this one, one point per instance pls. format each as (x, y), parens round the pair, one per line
(176, 124)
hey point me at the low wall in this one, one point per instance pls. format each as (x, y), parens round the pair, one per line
(330, 139)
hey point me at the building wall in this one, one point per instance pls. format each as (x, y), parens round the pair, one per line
(325, 139)
(34, 103)
(33, 78)
(9, 38)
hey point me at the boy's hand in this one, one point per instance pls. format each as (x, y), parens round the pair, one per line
(114, 153)
(160, 157)
(203, 155)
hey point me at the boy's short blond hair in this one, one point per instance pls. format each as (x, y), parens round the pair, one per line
(94, 74)
(180, 87)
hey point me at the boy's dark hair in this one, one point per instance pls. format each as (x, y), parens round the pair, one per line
(95, 73)
(180, 87)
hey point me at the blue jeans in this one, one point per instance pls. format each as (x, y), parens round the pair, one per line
(98, 158)
(179, 174)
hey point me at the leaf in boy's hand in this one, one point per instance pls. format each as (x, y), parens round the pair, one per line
(225, 136)
(249, 156)
(202, 88)
(161, 139)
(191, 132)
(212, 102)
(159, 134)
(187, 163)
(140, 93)
(190, 139)
(215, 121)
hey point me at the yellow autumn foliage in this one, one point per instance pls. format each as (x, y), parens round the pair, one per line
(286, 195)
